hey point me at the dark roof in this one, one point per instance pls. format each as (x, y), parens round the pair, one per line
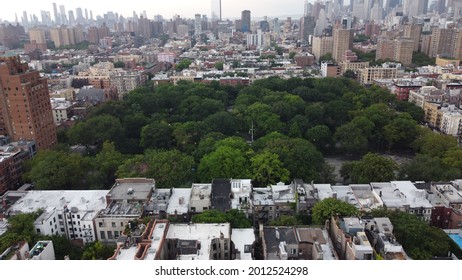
(90, 94)
(286, 234)
(220, 196)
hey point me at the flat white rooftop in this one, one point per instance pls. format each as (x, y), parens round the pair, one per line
(242, 237)
(127, 254)
(83, 201)
(179, 201)
(398, 193)
(204, 233)
(156, 240)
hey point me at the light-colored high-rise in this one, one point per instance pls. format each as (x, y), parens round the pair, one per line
(343, 40)
(37, 35)
(414, 33)
(322, 46)
(216, 10)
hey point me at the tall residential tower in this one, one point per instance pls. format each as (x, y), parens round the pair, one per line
(25, 109)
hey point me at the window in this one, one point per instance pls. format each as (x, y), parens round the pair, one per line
(247, 248)
(102, 234)
(293, 251)
(205, 208)
(38, 230)
(116, 234)
(193, 209)
(78, 216)
(62, 229)
(109, 234)
(100, 224)
(113, 224)
(60, 216)
(121, 224)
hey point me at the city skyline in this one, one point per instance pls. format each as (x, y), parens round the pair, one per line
(230, 9)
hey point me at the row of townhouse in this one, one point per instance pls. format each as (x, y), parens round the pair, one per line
(106, 214)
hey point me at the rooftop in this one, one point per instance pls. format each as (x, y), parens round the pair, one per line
(76, 201)
(396, 194)
(243, 240)
(449, 192)
(274, 236)
(179, 201)
(262, 196)
(283, 192)
(137, 189)
(201, 190)
(220, 197)
(204, 233)
(156, 240)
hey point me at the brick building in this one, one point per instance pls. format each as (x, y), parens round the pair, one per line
(25, 109)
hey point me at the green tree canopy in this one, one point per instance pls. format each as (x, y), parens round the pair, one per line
(267, 169)
(371, 168)
(224, 162)
(183, 64)
(324, 209)
(171, 169)
(235, 217)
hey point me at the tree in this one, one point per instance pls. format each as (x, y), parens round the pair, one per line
(349, 74)
(299, 156)
(97, 130)
(171, 169)
(372, 167)
(421, 241)
(326, 57)
(107, 162)
(320, 136)
(183, 64)
(401, 132)
(323, 210)
(119, 64)
(97, 251)
(235, 217)
(267, 169)
(426, 168)
(224, 162)
(157, 135)
(209, 217)
(434, 144)
(351, 139)
(292, 55)
(21, 227)
(58, 170)
(188, 134)
(219, 65)
(223, 122)
(285, 221)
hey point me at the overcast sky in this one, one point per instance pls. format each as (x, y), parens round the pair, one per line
(166, 8)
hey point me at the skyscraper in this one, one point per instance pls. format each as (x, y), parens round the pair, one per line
(197, 25)
(245, 21)
(306, 28)
(55, 14)
(216, 10)
(25, 109)
(62, 12)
